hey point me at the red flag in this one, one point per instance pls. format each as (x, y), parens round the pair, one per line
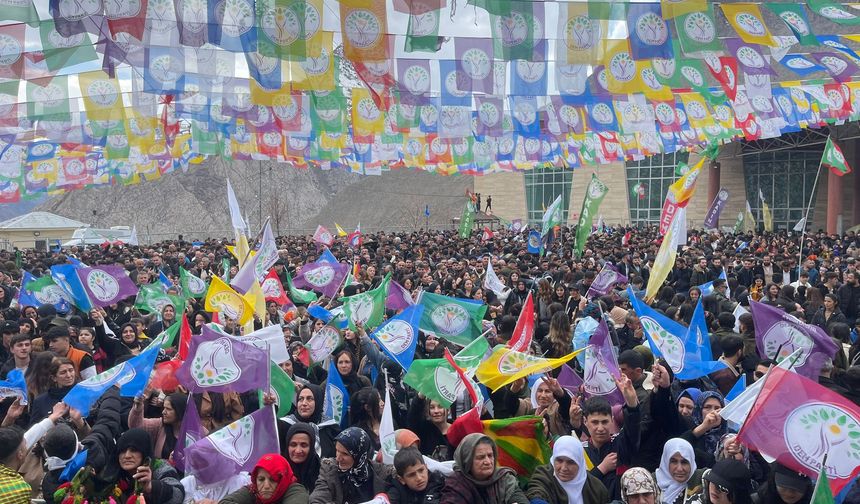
(625, 239)
(727, 76)
(125, 19)
(164, 376)
(323, 236)
(525, 329)
(184, 338)
(354, 239)
(487, 235)
(798, 422)
(273, 290)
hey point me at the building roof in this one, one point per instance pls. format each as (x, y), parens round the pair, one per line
(40, 220)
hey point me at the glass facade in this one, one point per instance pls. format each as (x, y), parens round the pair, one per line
(542, 187)
(786, 179)
(647, 183)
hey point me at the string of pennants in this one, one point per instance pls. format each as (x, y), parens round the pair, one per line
(97, 92)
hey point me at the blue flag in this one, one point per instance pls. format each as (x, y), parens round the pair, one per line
(327, 256)
(66, 277)
(681, 347)
(38, 291)
(534, 243)
(74, 466)
(707, 288)
(14, 386)
(398, 336)
(166, 284)
(139, 369)
(321, 313)
(336, 405)
(426, 210)
(739, 387)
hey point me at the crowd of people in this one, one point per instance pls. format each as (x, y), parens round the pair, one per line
(666, 444)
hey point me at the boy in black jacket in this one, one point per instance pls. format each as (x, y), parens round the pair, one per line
(414, 483)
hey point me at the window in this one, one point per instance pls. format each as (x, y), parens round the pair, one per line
(786, 179)
(543, 186)
(647, 183)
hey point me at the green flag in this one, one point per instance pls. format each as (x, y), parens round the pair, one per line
(299, 296)
(422, 33)
(822, 493)
(192, 286)
(467, 220)
(63, 51)
(794, 16)
(225, 264)
(23, 11)
(513, 31)
(594, 194)
(457, 320)
(834, 159)
(48, 98)
(697, 32)
(437, 380)
(836, 12)
(171, 332)
(551, 217)
(152, 299)
(367, 308)
(283, 388)
(739, 223)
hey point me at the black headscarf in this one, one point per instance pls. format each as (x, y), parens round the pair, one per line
(308, 471)
(136, 439)
(319, 400)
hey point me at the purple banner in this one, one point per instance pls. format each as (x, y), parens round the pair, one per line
(749, 56)
(106, 285)
(220, 363)
(779, 334)
(838, 65)
(605, 281)
(398, 297)
(712, 218)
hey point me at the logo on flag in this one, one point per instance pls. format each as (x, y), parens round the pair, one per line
(231, 442)
(196, 285)
(214, 365)
(319, 276)
(450, 318)
(670, 345)
(323, 342)
(396, 335)
(785, 334)
(817, 429)
(103, 286)
(360, 308)
(598, 381)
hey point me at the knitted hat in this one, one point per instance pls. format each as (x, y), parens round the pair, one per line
(136, 439)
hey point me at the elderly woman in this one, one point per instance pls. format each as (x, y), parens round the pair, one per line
(639, 487)
(351, 477)
(677, 476)
(272, 482)
(300, 442)
(566, 479)
(477, 478)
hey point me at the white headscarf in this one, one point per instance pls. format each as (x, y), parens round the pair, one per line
(670, 487)
(570, 447)
(540, 380)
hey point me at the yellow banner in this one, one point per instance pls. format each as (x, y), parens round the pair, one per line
(622, 71)
(664, 261)
(697, 110)
(366, 116)
(505, 366)
(223, 299)
(316, 71)
(364, 29)
(675, 8)
(748, 22)
(684, 187)
(102, 96)
(580, 34)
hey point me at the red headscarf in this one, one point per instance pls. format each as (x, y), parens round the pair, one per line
(280, 471)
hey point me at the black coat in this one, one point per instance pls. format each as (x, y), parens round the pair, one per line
(398, 493)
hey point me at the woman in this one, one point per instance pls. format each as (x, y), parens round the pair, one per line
(165, 430)
(129, 343)
(687, 401)
(543, 300)
(201, 318)
(639, 487)
(786, 301)
(347, 368)
(558, 343)
(757, 288)
(39, 379)
(87, 340)
(548, 400)
(728, 482)
(309, 409)
(300, 441)
(677, 476)
(771, 295)
(566, 479)
(62, 375)
(694, 294)
(365, 412)
(272, 481)
(429, 420)
(709, 427)
(477, 479)
(829, 314)
(785, 486)
(168, 317)
(351, 477)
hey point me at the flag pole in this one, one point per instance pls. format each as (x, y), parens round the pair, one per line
(808, 208)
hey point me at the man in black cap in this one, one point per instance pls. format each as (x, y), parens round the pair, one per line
(58, 341)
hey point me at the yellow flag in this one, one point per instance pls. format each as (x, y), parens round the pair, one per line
(316, 71)
(580, 33)
(506, 366)
(102, 95)
(241, 250)
(683, 188)
(257, 299)
(366, 116)
(223, 299)
(363, 25)
(675, 8)
(767, 216)
(697, 110)
(664, 261)
(622, 71)
(748, 22)
(340, 231)
(749, 219)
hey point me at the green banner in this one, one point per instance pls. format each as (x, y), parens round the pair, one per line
(594, 195)
(467, 220)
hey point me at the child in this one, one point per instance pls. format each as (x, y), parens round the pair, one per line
(414, 483)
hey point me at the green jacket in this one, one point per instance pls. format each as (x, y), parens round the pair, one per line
(544, 486)
(296, 494)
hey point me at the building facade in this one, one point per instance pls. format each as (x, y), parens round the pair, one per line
(785, 175)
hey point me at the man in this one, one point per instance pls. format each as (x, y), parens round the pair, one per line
(746, 275)
(57, 340)
(825, 379)
(680, 279)
(13, 450)
(720, 294)
(789, 273)
(766, 268)
(21, 348)
(733, 353)
(8, 329)
(489, 203)
(830, 284)
(631, 334)
(716, 268)
(849, 297)
(699, 275)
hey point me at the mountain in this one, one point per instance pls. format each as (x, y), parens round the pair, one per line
(194, 203)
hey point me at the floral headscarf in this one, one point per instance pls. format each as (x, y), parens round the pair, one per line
(638, 480)
(358, 444)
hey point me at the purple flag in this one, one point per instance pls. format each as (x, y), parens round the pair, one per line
(601, 367)
(838, 65)
(106, 285)
(256, 268)
(221, 363)
(474, 59)
(605, 281)
(322, 276)
(234, 448)
(190, 432)
(398, 297)
(569, 380)
(712, 218)
(776, 330)
(749, 56)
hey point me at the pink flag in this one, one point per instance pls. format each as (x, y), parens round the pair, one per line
(525, 328)
(798, 422)
(323, 236)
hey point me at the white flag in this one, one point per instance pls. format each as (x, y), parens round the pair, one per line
(739, 310)
(737, 410)
(235, 213)
(132, 240)
(386, 431)
(801, 225)
(269, 338)
(491, 280)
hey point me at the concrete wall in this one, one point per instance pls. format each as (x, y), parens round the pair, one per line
(24, 238)
(508, 192)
